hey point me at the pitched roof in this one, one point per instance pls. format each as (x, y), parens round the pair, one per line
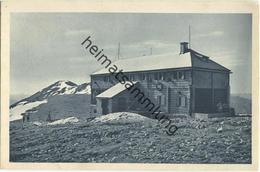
(164, 61)
(114, 90)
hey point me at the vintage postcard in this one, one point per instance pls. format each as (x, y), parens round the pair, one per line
(129, 85)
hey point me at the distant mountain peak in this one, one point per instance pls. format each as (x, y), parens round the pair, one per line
(65, 82)
(60, 87)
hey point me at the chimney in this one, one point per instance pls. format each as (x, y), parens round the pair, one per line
(184, 47)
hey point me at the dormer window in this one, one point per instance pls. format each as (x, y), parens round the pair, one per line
(205, 58)
(202, 57)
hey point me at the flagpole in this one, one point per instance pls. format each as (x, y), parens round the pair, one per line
(189, 38)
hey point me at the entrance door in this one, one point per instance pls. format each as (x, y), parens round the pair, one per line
(122, 105)
(203, 100)
(104, 106)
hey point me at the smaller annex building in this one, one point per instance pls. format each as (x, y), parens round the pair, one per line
(183, 83)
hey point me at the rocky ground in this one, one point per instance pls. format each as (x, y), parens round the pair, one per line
(218, 140)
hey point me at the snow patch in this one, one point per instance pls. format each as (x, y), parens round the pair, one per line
(15, 112)
(120, 117)
(37, 123)
(62, 85)
(22, 103)
(244, 114)
(68, 89)
(64, 121)
(87, 90)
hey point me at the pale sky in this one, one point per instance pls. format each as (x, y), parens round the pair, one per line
(45, 47)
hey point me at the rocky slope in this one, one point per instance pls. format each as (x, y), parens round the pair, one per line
(219, 140)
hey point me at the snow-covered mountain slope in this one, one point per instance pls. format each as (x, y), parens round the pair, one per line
(15, 112)
(32, 103)
(83, 89)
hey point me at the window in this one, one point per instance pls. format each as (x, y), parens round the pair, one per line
(161, 100)
(160, 76)
(140, 76)
(156, 76)
(109, 79)
(149, 77)
(164, 76)
(99, 78)
(179, 101)
(130, 77)
(187, 75)
(174, 75)
(105, 78)
(181, 75)
(168, 76)
(182, 100)
(143, 76)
